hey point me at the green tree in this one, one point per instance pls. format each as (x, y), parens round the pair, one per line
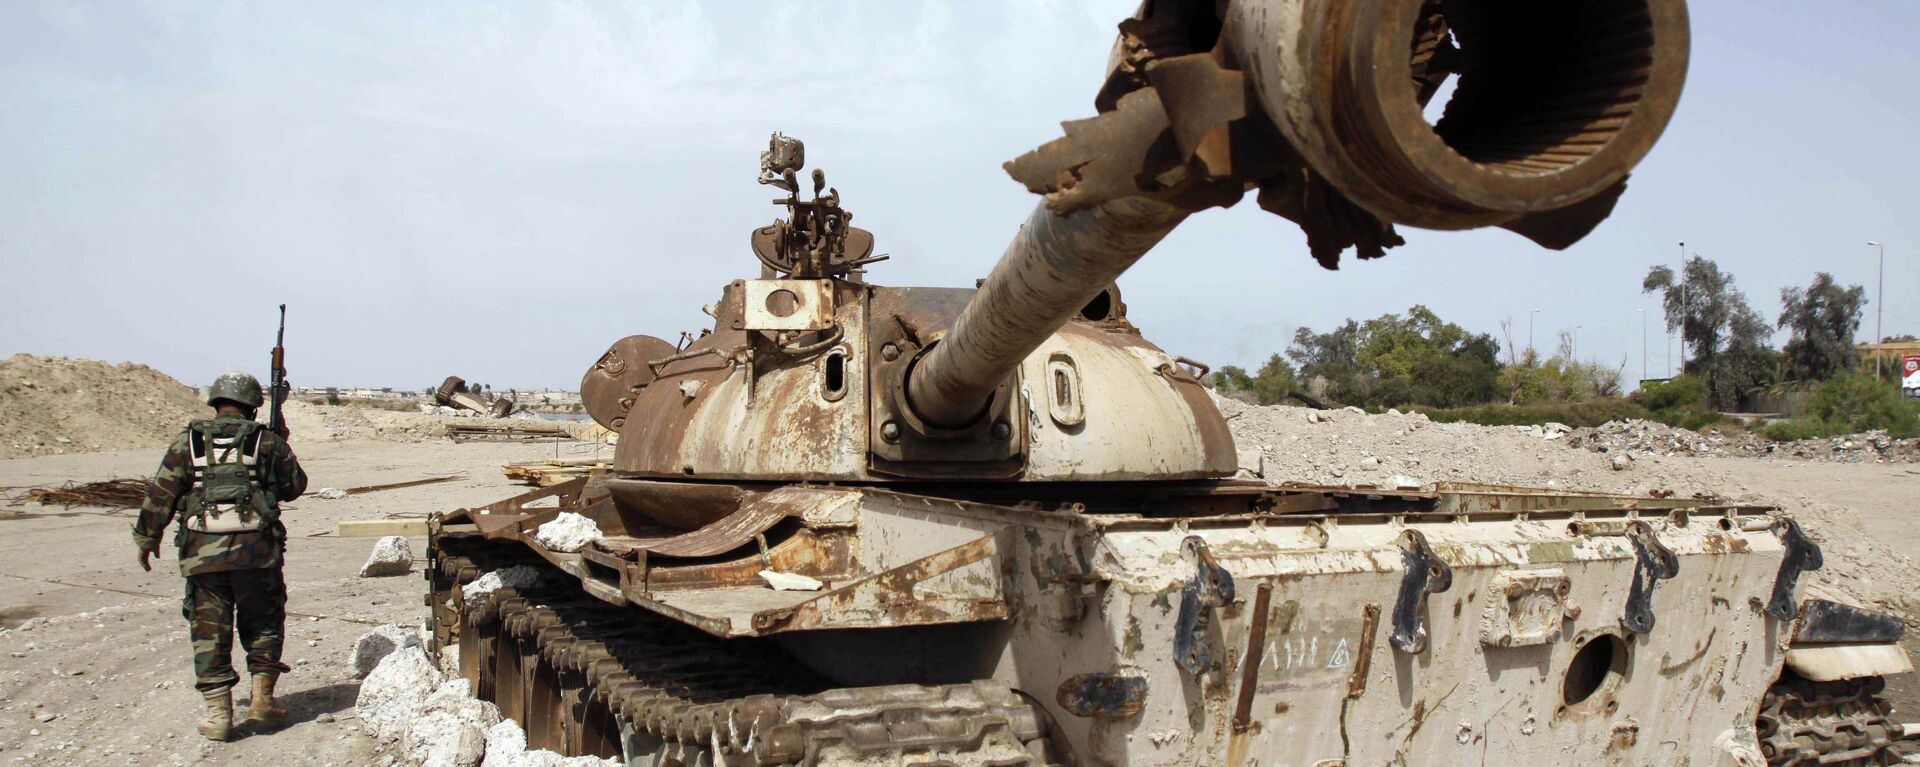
(1270, 386)
(1848, 403)
(1395, 360)
(1726, 339)
(1822, 317)
(1329, 363)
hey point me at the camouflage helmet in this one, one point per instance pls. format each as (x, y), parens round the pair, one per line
(236, 386)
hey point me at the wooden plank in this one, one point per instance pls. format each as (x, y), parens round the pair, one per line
(380, 528)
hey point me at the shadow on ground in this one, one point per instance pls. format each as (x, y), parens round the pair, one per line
(301, 705)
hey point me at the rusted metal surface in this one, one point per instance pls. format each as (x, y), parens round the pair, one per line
(1250, 660)
(584, 678)
(1114, 696)
(512, 430)
(1422, 574)
(609, 388)
(1013, 509)
(1803, 722)
(1802, 555)
(454, 393)
(1530, 589)
(1320, 105)
(1055, 265)
(1827, 621)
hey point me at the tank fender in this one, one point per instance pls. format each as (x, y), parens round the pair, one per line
(1834, 641)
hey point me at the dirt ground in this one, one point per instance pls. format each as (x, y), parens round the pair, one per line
(113, 669)
(1881, 497)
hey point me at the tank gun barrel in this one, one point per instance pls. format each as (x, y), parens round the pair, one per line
(1321, 105)
(1053, 267)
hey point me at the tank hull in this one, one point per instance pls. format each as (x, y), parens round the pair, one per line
(1222, 623)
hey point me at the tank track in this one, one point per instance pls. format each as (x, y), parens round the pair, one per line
(1826, 723)
(586, 677)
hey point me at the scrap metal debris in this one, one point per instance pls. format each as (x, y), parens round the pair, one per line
(117, 493)
(454, 393)
(517, 431)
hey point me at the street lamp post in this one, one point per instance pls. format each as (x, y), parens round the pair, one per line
(1879, 298)
(1536, 310)
(1681, 277)
(1643, 343)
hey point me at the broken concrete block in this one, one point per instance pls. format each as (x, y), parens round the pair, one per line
(790, 581)
(567, 533)
(391, 556)
(517, 576)
(374, 646)
(392, 695)
(450, 727)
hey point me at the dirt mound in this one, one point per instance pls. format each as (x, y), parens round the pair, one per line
(311, 422)
(54, 405)
(1352, 448)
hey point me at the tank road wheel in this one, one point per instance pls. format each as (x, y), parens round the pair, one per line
(1803, 722)
(509, 681)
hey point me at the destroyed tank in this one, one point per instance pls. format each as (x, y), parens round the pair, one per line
(856, 524)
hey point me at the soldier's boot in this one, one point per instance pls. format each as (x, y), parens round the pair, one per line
(217, 723)
(264, 708)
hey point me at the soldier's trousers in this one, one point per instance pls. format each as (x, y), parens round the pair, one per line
(255, 602)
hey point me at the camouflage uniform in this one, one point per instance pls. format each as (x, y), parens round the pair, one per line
(233, 579)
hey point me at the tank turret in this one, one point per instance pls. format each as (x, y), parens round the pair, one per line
(811, 373)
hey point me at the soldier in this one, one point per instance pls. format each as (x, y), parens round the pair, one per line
(224, 479)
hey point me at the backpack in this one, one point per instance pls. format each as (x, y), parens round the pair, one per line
(229, 492)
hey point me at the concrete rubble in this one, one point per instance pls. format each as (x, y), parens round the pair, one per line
(517, 576)
(390, 556)
(780, 581)
(433, 721)
(567, 533)
(1654, 438)
(374, 646)
(507, 747)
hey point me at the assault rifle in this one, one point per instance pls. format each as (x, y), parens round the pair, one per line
(278, 389)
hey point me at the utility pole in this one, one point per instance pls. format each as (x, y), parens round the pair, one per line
(1879, 298)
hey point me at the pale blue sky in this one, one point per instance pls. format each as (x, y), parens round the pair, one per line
(500, 190)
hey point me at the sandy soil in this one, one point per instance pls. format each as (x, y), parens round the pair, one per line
(114, 669)
(61, 405)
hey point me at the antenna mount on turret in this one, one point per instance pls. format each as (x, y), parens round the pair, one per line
(816, 240)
